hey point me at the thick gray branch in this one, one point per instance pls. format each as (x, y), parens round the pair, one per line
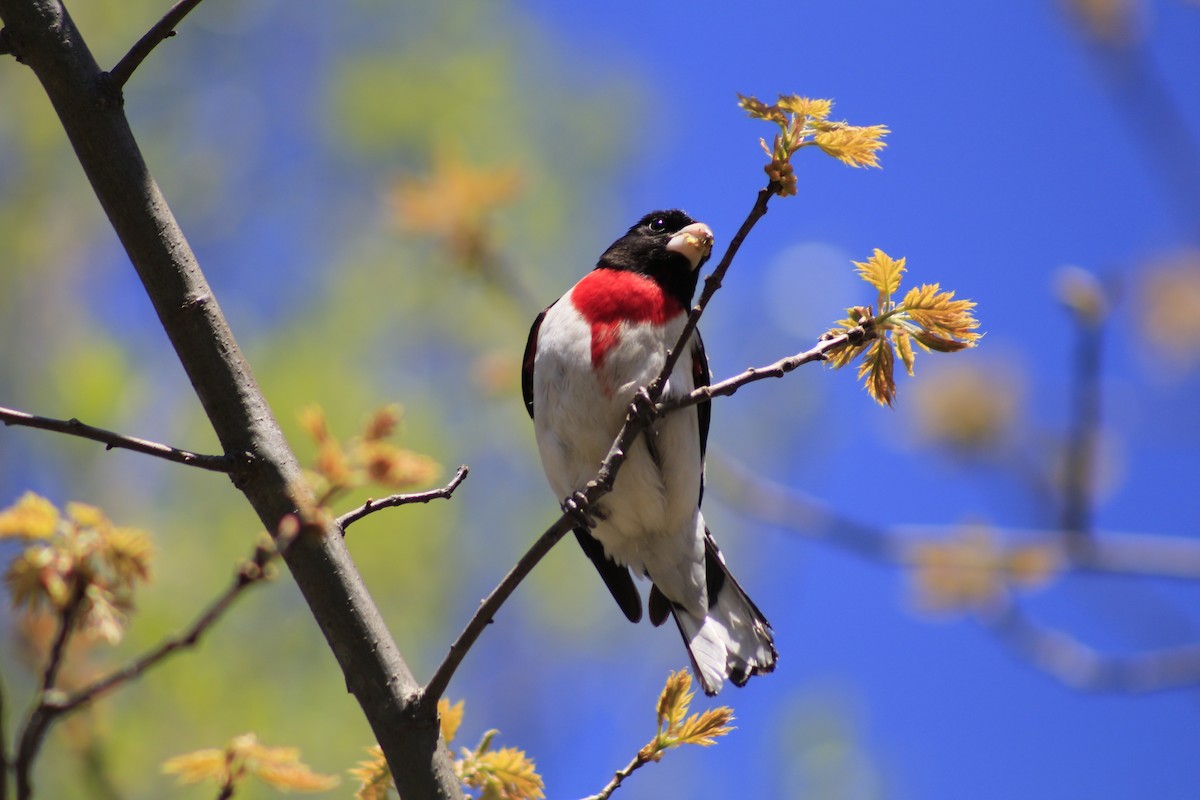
(47, 40)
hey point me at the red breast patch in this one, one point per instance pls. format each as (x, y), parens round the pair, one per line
(607, 297)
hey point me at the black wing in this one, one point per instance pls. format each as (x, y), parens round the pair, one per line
(616, 578)
(527, 362)
(701, 376)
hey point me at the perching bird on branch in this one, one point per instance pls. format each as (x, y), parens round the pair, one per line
(588, 355)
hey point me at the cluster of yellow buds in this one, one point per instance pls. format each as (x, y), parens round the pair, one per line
(804, 121)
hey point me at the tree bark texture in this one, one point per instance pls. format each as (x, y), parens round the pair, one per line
(40, 33)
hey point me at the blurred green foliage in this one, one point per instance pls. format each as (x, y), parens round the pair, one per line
(356, 314)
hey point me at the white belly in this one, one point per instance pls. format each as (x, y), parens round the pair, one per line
(650, 521)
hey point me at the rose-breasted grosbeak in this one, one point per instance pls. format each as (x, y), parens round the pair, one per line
(587, 355)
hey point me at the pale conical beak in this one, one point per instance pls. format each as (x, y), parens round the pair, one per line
(693, 242)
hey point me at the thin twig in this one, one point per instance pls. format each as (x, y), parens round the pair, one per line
(50, 707)
(711, 284)
(598, 487)
(66, 624)
(1122, 553)
(1081, 443)
(619, 776)
(1054, 652)
(112, 440)
(1083, 667)
(484, 615)
(248, 576)
(1144, 102)
(371, 506)
(162, 29)
(777, 370)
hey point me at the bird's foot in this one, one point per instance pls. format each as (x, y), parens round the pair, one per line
(579, 507)
(643, 408)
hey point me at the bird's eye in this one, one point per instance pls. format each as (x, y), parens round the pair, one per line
(658, 225)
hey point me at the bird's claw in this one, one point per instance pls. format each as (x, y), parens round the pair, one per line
(643, 408)
(577, 505)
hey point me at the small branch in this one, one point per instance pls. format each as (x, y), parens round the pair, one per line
(711, 284)
(1054, 652)
(50, 707)
(777, 370)
(1080, 465)
(484, 615)
(248, 576)
(58, 649)
(619, 776)
(112, 440)
(598, 487)
(163, 29)
(1107, 552)
(1143, 101)
(371, 506)
(1084, 668)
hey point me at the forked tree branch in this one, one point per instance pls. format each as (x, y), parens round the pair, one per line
(371, 506)
(250, 574)
(602, 484)
(163, 29)
(111, 440)
(272, 482)
(51, 705)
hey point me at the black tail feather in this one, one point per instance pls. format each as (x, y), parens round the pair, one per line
(616, 578)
